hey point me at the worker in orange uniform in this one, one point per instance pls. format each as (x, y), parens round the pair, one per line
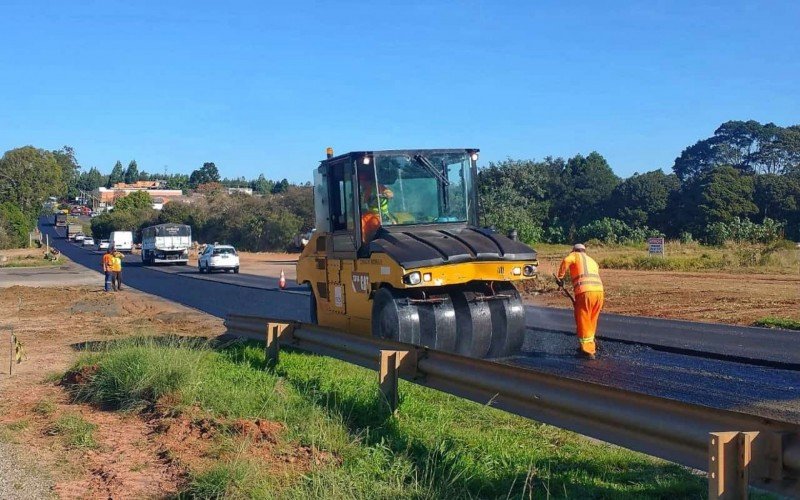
(588, 288)
(108, 264)
(374, 203)
(116, 270)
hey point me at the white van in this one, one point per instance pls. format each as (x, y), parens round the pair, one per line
(121, 241)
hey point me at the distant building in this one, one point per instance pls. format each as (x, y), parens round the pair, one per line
(240, 190)
(107, 196)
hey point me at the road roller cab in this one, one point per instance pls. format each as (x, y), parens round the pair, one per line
(398, 253)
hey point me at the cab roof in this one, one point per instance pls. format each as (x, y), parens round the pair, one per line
(359, 154)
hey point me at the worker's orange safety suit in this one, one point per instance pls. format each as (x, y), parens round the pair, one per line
(588, 288)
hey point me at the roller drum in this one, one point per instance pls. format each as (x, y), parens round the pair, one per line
(473, 324)
(438, 324)
(394, 318)
(508, 322)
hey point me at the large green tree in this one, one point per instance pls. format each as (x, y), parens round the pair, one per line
(131, 173)
(70, 170)
(512, 197)
(134, 201)
(206, 174)
(582, 188)
(28, 176)
(641, 200)
(117, 174)
(748, 146)
(90, 180)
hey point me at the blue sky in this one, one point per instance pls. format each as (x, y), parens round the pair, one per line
(266, 86)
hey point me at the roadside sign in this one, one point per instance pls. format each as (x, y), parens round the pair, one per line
(656, 246)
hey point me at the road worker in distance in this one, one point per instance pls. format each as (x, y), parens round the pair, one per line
(108, 264)
(588, 289)
(116, 270)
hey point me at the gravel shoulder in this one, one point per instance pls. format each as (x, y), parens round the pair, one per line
(19, 479)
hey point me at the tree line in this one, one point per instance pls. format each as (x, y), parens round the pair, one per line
(743, 182)
(92, 179)
(268, 222)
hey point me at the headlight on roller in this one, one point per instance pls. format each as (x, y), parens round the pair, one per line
(529, 270)
(414, 278)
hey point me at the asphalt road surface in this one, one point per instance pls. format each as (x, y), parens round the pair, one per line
(716, 378)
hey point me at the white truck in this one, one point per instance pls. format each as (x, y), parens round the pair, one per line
(121, 241)
(166, 244)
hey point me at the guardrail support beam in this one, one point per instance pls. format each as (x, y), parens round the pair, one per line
(388, 376)
(272, 345)
(738, 459)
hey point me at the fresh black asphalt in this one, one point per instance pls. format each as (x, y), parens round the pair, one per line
(712, 380)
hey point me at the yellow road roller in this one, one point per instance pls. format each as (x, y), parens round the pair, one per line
(398, 254)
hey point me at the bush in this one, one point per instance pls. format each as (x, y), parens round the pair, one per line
(505, 218)
(125, 220)
(614, 231)
(744, 230)
(14, 226)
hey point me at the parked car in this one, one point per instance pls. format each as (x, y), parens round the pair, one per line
(218, 256)
(88, 241)
(102, 245)
(80, 237)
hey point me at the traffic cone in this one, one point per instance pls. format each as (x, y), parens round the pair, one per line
(282, 281)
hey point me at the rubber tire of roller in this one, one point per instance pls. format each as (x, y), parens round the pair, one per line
(508, 322)
(473, 324)
(438, 324)
(313, 309)
(393, 318)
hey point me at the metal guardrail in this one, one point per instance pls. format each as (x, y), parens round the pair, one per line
(736, 449)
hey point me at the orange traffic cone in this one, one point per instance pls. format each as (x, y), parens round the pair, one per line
(282, 281)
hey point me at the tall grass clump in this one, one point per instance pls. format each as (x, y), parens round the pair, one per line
(132, 373)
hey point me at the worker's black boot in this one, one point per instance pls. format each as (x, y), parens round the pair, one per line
(580, 353)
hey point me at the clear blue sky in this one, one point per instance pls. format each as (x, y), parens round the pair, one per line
(266, 86)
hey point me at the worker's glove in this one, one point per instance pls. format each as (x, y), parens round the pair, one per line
(560, 282)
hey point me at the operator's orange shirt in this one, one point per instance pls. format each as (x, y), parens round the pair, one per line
(584, 272)
(108, 262)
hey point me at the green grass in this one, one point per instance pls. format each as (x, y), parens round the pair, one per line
(436, 446)
(45, 407)
(31, 262)
(780, 257)
(75, 431)
(773, 322)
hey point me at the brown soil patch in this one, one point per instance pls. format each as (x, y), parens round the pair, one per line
(712, 297)
(52, 323)
(147, 455)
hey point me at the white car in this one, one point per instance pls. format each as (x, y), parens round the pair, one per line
(80, 237)
(102, 245)
(88, 241)
(217, 256)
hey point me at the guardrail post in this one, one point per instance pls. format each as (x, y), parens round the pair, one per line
(272, 346)
(388, 377)
(723, 467)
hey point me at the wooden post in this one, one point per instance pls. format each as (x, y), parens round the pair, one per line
(11, 355)
(272, 344)
(387, 378)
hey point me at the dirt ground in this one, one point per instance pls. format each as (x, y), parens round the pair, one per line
(711, 297)
(130, 459)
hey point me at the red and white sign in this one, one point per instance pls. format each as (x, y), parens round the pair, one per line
(656, 246)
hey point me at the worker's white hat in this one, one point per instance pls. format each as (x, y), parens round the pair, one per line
(578, 247)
